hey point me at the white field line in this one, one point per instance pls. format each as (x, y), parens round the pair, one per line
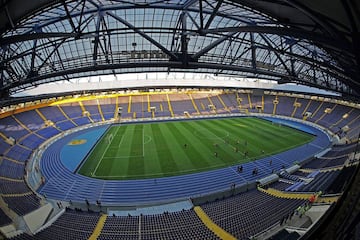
(129, 156)
(212, 167)
(122, 137)
(102, 156)
(123, 157)
(197, 132)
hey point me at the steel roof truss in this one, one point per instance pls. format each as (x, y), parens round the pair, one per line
(144, 35)
(213, 14)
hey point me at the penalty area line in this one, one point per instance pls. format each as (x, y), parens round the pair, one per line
(93, 174)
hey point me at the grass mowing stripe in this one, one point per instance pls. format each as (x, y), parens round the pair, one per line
(195, 151)
(246, 134)
(119, 164)
(249, 132)
(181, 152)
(221, 146)
(204, 144)
(228, 150)
(167, 163)
(151, 161)
(264, 134)
(281, 135)
(136, 162)
(276, 137)
(284, 138)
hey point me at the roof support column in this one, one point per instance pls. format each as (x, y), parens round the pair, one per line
(253, 51)
(32, 71)
(2, 69)
(201, 15)
(97, 36)
(292, 60)
(184, 40)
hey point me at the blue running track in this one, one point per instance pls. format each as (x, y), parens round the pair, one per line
(63, 184)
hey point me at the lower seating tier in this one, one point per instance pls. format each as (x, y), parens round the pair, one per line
(249, 213)
(22, 204)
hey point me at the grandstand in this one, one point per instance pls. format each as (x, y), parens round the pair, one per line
(315, 173)
(179, 120)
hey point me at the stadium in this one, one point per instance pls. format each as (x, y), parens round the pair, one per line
(179, 119)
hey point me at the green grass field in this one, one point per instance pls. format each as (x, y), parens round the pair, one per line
(153, 150)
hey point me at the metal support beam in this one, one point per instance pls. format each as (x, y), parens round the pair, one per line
(188, 4)
(107, 45)
(17, 86)
(171, 64)
(9, 17)
(144, 35)
(174, 37)
(194, 22)
(39, 52)
(33, 36)
(184, 40)
(292, 60)
(201, 14)
(33, 55)
(212, 45)
(56, 47)
(253, 51)
(302, 58)
(212, 16)
(233, 60)
(227, 48)
(81, 15)
(296, 33)
(68, 15)
(97, 36)
(317, 17)
(177, 65)
(277, 55)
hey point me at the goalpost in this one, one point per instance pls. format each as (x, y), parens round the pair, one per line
(278, 124)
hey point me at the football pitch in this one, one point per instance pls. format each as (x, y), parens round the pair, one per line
(159, 149)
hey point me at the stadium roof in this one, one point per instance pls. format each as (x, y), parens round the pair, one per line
(315, 43)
